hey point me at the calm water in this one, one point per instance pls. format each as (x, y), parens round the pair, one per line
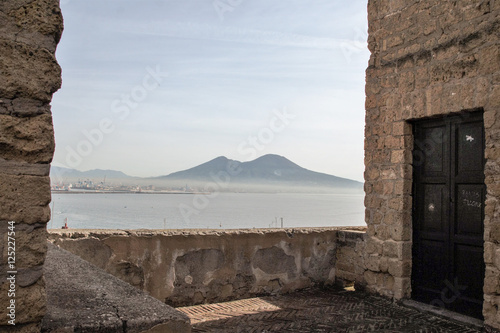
(226, 210)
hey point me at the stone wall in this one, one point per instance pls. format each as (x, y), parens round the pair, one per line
(350, 265)
(29, 75)
(186, 267)
(428, 58)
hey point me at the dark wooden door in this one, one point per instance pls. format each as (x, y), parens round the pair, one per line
(448, 213)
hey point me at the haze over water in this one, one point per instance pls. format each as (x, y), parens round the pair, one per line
(222, 211)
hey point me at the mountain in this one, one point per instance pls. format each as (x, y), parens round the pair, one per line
(267, 173)
(268, 170)
(64, 174)
(202, 171)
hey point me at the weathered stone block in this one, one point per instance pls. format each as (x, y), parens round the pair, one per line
(482, 91)
(371, 278)
(407, 81)
(345, 267)
(35, 23)
(491, 280)
(393, 217)
(489, 59)
(390, 249)
(31, 243)
(494, 100)
(25, 198)
(496, 259)
(42, 16)
(16, 168)
(433, 99)
(23, 107)
(400, 232)
(384, 187)
(422, 78)
(30, 303)
(398, 156)
(22, 328)
(388, 173)
(383, 232)
(28, 71)
(372, 262)
(372, 173)
(489, 118)
(399, 268)
(467, 91)
(402, 187)
(401, 128)
(374, 246)
(384, 264)
(28, 139)
(395, 204)
(402, 287)
(387, 284)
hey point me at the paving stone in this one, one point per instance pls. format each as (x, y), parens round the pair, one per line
(325, 310)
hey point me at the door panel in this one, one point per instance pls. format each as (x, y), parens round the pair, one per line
(434, 208)
(433, 145)
(448, 213)
(470, 149)
(433, 255)
(470, 199)
(468, 258)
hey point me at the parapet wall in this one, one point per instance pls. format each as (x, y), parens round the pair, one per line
(187, 267)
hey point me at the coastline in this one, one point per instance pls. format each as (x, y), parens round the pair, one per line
(122, 192)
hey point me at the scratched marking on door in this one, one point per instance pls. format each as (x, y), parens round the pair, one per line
(471, 198)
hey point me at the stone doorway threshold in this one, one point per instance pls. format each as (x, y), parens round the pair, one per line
(447, 314)
(319, 310)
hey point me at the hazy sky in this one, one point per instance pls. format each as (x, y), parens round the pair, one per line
(153, 87)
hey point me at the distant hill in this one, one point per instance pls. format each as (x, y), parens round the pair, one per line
(65, 174)
(269, 170)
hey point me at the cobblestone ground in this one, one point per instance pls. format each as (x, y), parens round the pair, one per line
(317, 311)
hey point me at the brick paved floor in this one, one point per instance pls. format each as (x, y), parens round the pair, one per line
(317, 311)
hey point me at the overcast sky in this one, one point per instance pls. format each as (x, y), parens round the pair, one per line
(153, 87)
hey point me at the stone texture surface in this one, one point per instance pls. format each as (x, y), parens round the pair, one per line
(30, 303)
(83, 298)
(428, 58)
(187, 267)
(24, 328)
(23, 107)
(29, 75)
(29, 139)
(25, 199)
(28, 71)
(36, 23)
(350, 266)
(9, 167)
(320, 310)
(30, 246)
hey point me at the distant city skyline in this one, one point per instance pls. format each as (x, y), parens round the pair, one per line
(157, 87)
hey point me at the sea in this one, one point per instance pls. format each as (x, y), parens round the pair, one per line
(200, 211)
